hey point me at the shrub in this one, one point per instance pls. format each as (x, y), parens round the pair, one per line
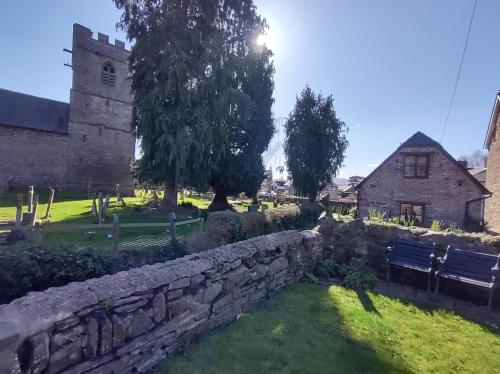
(376, 215)
(284, 217)
(309, 213)
(358, 275)
(224, 226)
(455, 228)
(437, 225)
(36, 268)
(355, 274)
(407, 222)
(253, 224)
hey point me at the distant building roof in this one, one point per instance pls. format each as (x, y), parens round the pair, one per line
(493, 120)
(31, 112)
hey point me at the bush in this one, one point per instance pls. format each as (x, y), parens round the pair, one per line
(284, 217)
(254, 224)
(356, 274)
(359, 276)
(309, 213)
(437, 225)
(36, 268)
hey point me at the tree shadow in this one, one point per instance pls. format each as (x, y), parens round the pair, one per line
(367, 302)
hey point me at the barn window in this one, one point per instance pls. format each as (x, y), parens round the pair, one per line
(416, 166)
(411, 211)
(108, 74)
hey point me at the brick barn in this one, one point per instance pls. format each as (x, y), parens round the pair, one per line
(492, 213)
(86, 142)
(421, 180)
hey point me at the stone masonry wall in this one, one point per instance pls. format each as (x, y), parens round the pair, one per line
(492, 210)
(32, 157)
(130, 321)
(444, 193)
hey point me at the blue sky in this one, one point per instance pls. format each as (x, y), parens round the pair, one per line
(389, 64)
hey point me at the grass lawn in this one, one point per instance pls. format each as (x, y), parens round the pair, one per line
(314, 329)
(73, 207)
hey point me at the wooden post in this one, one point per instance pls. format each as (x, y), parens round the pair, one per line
(116, 231)
(94, 204)
(38, 233)
(30, 198)
(100, 206)
(155, 198)
(35, 209)
(19, 209)
(49, 205)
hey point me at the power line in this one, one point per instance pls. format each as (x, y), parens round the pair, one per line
(459, 72)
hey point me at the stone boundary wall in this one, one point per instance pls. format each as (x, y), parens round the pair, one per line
(130, 321)
(369, 240)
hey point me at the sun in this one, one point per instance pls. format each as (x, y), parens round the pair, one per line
(263, 39)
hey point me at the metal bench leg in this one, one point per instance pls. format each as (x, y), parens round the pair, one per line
(388, 278)
(490, 299)
(436, 291)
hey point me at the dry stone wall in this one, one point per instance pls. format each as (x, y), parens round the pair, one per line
(130, 321)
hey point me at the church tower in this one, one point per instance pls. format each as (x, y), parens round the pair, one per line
(101, 145)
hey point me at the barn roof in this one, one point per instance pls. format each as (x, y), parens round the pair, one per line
(419, 139)
(31, 112)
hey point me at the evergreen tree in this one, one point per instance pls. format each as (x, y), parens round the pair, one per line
(315, 143)
(192, 66)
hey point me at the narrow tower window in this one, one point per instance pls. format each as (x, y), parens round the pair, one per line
(108, 74)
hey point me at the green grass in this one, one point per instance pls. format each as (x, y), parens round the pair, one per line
(313, 329)
(72, 207)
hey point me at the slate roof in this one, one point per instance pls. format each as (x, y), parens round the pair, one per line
(31, 112)
(419, 139)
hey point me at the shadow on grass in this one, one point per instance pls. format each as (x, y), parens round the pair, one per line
(300, 330)
(367, 302)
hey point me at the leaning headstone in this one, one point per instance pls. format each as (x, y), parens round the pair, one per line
(100, 203)
(35, 209)
(49, 205)
(19, 209)
(30, 198)
(94, 205)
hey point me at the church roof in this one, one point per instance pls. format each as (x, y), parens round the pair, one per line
(31, 112)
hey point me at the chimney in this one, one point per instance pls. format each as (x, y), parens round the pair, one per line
(463, 163)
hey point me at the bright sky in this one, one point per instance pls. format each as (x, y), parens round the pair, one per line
(390, 65)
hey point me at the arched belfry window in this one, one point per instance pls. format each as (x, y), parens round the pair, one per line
(108, 74)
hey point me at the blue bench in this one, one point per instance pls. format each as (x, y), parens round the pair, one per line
(478, 269)
(411, 255)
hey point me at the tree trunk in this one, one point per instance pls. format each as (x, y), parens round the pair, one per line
(170, 197)
(220, 201)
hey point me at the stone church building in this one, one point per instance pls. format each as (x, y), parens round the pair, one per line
(86, 142)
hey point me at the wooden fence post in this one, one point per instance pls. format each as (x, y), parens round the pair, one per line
(35, 209)
(49, 205)
(19, 209)
(172, 224)
(30, 198)
(116, 231)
